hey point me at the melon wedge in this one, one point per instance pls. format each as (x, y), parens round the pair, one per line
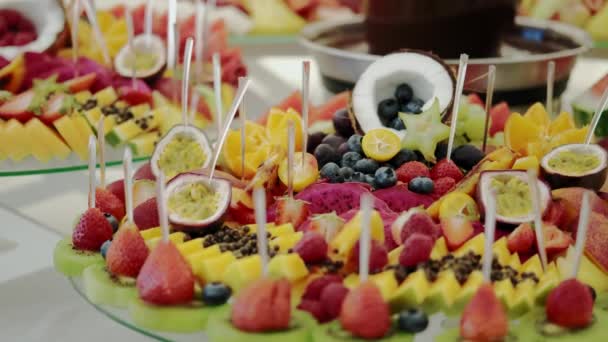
(15, 140)
(71, 134)
(49, 139)
(39, 148)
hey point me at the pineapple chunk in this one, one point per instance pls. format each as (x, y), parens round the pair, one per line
(515, 263)
(83, 96)
(16, 144)
(474, 245)
(286, 242)
(533, 265)
(411, 293)
(393, 256)
(196, 258)
(524, 298)
(468, 291)
(547, 282)
(385, 281)
(191, 247)
(177, 238)
(242, 272)
(288, 266)
(442, 293)
(42, 133)
(150, 233)
(501, 251)
(38, 147)
(440, 249)
(505, 292)
(105, 97)
(212, 269)
(284, 229)
(349, 235)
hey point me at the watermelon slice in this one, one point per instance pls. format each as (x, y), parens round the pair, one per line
(585, 105)
(327, 110)
(498, 117)
(292, 101)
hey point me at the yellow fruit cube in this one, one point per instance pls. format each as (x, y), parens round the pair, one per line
(16, 143)
(140, 110)
(191, 247)
(288, 266)
(106, 96)
(515, 263)
(393, 256)
(411, 293)
(196, 258)
(533, 265)
(212, 269)
(505, 292)
(286, 242)
(284, 229)
(547, 282)
(71, 134)
(526, 163)
(351, 281)
(474, 245)
(253, 228)
(349, 235)
(440, 249)
(93, 116)
(39, 147)
(442, 293)
(468, 291)
(151, 233)
(242, 272)
(44, 134)
(501, 251)
(82, 96)
(177, 238)
(386, 283)
(524, 298)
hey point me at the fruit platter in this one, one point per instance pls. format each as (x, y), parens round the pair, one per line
(592, 15)
(84, 72)
(401, 211)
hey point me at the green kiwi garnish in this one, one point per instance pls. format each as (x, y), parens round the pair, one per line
(179, 319)
(71, 261)
(103, 288)
(333, 332)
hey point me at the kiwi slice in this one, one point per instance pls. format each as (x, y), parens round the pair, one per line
(178, 319)
(534, 327)
(453, 335)
(101, 287)
(71, 261)
(220, 329)
(333, 332)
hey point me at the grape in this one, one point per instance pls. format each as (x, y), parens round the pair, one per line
(475, 123)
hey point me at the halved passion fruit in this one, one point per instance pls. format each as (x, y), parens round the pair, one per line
(182, 149)
(513, 200)
(193, 201)
(148, 58)
(576, 165)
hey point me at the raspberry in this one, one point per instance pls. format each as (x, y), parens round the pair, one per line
(445, 168)
(331, 300)
(443, 186)
(312, 248)
(420, 223)
(315, 288)
(92, 230)
(411, 170)
(378, 256)
(417, 249)
(107, 202)
(315, 308)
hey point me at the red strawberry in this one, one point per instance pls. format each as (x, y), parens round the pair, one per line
(145, 215)
(109, 203)
(411, 170)
(312, 248)
(81, 83)
(457, 230)
(446, 168)
(443, 186)
(263, 306)
(521, 240)
(556, 213)
(118, 189)
(484, 318)
(127, 253)
(315, 288)
(92, 230)
(18, 107)
(135, 95)
(417, 249)
(144, 172)
(474, 98)
(364, 312)
(166, 277)
(332, 298)
(52, 109)
(422, 223)
(290, 210)
(378, 256)
(570, 305)
(315, 308)
(556, 240)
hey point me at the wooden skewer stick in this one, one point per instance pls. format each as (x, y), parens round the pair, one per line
(489, 99)
(462, 72)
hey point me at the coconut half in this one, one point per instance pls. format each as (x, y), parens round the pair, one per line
(485, 187)
(589, 177)
(429, 77)
(48, 18)
(177, 131)
(143, 44)
(219, 187)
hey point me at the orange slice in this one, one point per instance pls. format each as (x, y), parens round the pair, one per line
(563, 122)
(276, 127)
(256, 150)
(538, 115)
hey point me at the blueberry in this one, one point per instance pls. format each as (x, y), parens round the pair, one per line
(385, 177)
(467, 156)
(216, 294)
(404, 93)
(367, 166)
(441, 150)
(333, 140)
(342, 123)
(326, 154)
(387, 110)
(397, 124)
(113, 221)
(358, 177)
(414, 106)
(104, 248)
(331, 171)
(403, 157)
(421, 185)
(354, 143)
(369, 179)
(343, 149)
(412, 321)
(314, 140)
(346, 172)
(349, 159)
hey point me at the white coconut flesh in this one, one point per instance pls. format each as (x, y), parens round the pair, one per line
(428, 78)
(486, 187)
(48, 19)
(181, 131)
(142, 44)
(220, 189)
(578, 149)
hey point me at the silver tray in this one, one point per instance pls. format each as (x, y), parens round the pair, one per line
(340, 49)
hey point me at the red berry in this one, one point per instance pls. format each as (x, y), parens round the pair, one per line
(145, 215)
(570, 305)
(315, 288)
(312, 248)
(118, 189)
(443, 186)
(127, 253)
(446, 168)
(109, 203)
(521, 239)
(331, 299)
(92, 230)
(420, 223)
(416, 249)
(378, 256)
(411, 170)
(315, 308)
(364, 312)
(484, 318)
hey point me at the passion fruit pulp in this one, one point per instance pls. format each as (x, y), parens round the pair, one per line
(512, 195)
(576, 165)
(147, 56)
